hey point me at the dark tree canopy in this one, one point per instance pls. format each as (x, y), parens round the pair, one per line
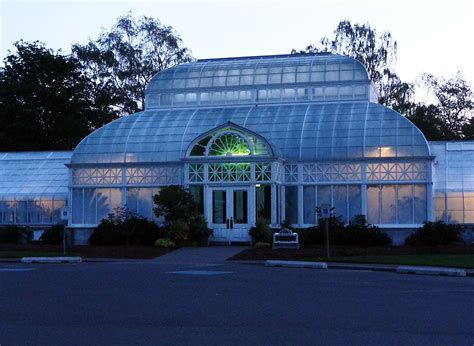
(122, 61)
(46, 102)
(450, 117)
(376, 52)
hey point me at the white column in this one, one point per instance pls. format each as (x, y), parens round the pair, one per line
(300, 205)
(252, 216)
(282, 203)
(274, 205)
(124, 186)
(430, 215)
(363, 189)
(207, 193)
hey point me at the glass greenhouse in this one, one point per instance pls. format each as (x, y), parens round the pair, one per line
(271, 137)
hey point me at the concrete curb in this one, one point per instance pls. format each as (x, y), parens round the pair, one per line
(51, 260)
(430, 271)
(296, 264)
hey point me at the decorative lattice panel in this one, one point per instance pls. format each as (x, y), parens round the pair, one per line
(291, 173)
(196, 172)
(96, 176)
(313, 172)
(219, 172)
(263, 171)
(154, 175)
(402, 171)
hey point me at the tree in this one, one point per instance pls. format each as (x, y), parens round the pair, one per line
(376, 52)
(46, 101)
(454, 103)
(123, 60)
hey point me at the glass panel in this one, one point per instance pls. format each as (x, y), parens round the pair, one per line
(263, 205)
(219, 205)
(90, 207)
(420, 203)
(405, 204)
(309, 204)
(132, 200)
(291, 204)
(76, 209)
(388, 205)
(46, 211)
(373, 204)
(58, 204)
(198, 195)
(324, 195)
(240, 206)
(354, 201)
(145, 203)
(21, 211)
(340, 201)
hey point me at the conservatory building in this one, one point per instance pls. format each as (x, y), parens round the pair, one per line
(270, 137)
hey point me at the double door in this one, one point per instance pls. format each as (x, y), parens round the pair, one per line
(230, 213)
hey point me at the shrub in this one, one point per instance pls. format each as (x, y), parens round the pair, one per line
(360, 233)
(179, 232)
(435, 233)
(126, 228)
(165, 242)
(15, 235)
(199, 232)
(175, 203)
(53, 235)
(262, 245)
(261, 232)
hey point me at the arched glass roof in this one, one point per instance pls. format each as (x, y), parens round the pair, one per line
(263, 79)
(303, 132)
(34, 174)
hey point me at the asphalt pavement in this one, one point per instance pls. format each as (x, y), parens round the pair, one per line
(217, 302)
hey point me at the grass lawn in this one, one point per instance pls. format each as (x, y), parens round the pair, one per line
(435, 260)
(20, 254)
(39, 250)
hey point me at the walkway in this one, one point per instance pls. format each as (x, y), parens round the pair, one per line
(200, 255)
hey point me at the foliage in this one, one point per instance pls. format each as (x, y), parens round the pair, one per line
(262, 245)
(179, 232)
(376, 52)
(123, 60)
(199, 231)
(261, 233)
(165, 243)
(175, 203)
(15, 235)
(357, 233)
(53, 235)
(47, 102)
(125, 228)
(181, 213)
(435, 233)
(360, 233)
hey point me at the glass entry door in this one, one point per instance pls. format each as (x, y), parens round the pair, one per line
(230, 213)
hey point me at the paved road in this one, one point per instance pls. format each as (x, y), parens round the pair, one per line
(153, 303)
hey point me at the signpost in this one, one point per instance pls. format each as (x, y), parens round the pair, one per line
(325, 214)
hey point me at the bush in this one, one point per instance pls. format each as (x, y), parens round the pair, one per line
(53, 235)
(435, 233)
(126, 228)
(15, 235)
(199, 232)
(261, 245)
(165, 243)
(357, 233)
(261, 232)
(179, 232)
(360, 233)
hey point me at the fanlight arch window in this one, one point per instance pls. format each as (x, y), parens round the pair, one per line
(229, 142)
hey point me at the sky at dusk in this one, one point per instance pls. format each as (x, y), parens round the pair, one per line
(433, 36)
